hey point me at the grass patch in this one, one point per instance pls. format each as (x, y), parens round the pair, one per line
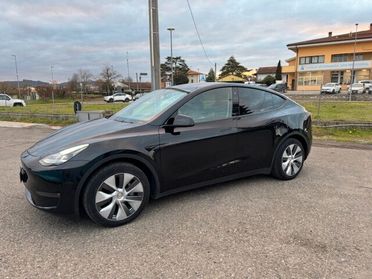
(340, 111)
(39, 120)
(358, 135)
(62, 108)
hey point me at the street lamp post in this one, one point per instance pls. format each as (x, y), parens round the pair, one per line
(171, 29)
(140, 80)
(16, 68)
(352, 69)
(51, 71)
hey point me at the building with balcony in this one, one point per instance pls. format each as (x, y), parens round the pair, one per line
(330, 59)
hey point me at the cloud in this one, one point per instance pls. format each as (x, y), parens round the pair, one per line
(92, 33)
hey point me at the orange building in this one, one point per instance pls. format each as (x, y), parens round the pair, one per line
(330, 59)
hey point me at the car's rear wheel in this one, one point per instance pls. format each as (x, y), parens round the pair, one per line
(288, 160)
(116, 194)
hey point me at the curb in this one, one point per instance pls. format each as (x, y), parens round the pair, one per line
(11, 124)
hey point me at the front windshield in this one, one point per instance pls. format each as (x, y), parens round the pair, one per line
(149, 105)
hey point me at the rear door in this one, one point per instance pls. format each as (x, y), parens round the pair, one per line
(256, 125)
(205, 151)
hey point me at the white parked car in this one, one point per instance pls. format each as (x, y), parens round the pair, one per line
(367, 85)
(356, 88)
(118, 97)
(7, 101)
(331, 87)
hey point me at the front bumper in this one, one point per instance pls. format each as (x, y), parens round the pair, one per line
(49, 189)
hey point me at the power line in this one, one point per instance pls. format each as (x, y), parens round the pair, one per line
(197, 32)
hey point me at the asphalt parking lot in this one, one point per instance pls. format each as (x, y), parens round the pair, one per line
(316, 226)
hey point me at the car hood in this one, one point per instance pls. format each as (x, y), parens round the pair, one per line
(328, 87)
(80, 133)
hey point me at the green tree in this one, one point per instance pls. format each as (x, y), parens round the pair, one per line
(180, 70)
(232, 67)
(211, 76)
(268, 80)
(278, 72)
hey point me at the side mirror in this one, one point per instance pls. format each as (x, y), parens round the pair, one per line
(180, 120)
(183, 121)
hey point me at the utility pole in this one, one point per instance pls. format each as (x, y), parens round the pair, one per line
(51, 71)
(128, 72)
(154, 44)
(171, 29)
(16, 67)
(353, 70)
(137, 81)
(215, 72)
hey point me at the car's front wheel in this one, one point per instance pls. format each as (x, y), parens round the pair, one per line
(116, 194)
(288, 160)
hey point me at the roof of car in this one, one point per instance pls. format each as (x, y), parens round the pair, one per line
(191, 87)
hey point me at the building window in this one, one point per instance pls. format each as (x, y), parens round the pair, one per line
(337, 76)
(346, 57)
(310, 78)
(312, 59)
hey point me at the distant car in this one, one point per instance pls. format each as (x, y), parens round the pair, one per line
(7, 101)
(259, 84)
(356, 88)
(331, 87)
(137, 96)
(367, 85)
(278, 87)
(118, 97)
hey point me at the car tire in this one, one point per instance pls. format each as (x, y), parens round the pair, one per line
(289, 159)
(111, 100)
(107, 200)
(126, 100)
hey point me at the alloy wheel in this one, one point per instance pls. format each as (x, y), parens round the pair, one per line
(119, 196)
(292, 159)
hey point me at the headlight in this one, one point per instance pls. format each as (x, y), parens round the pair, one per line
(62, 156)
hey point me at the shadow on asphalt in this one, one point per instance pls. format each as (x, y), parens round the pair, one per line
(71, 223)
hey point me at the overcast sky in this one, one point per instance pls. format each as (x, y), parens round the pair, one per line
(90, 34)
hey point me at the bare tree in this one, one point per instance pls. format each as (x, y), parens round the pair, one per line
(108, 76)
(73, 83)
(84, 78)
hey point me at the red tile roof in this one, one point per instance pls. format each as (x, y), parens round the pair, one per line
(192, 73)
(366, 34)
(266, 70)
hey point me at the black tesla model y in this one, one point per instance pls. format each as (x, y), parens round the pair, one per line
(167, 141)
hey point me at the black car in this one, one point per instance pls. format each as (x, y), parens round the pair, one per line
(168, 141)
(278, 87)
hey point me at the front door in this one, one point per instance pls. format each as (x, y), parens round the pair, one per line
(205, 151)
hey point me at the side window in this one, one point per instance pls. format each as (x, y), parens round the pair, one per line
(276, 101)
(215, 104)
(254, 100)
(250, 100)
(2, 97)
